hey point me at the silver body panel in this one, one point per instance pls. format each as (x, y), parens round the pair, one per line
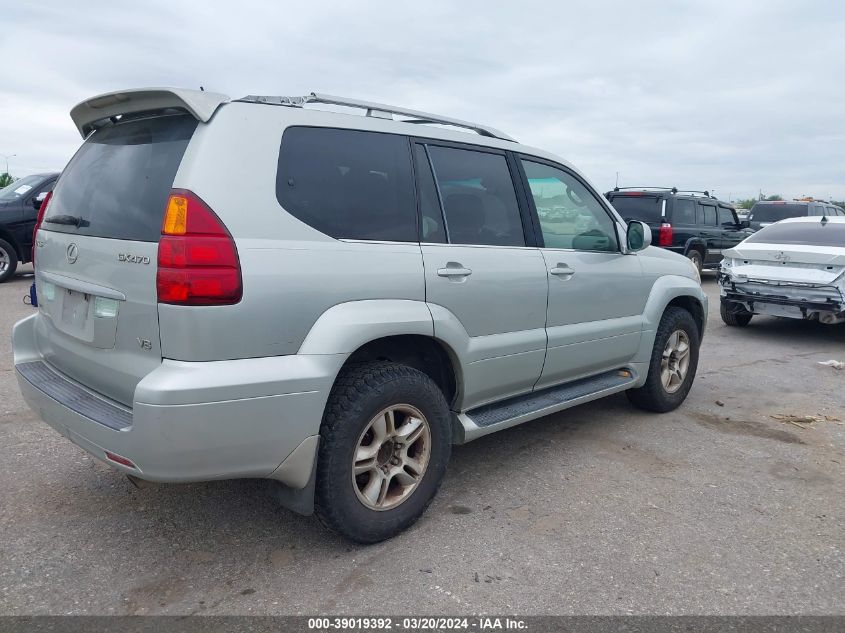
(239, 390)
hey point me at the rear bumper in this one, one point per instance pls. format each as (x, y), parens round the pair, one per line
(820, 302)
(191, 421)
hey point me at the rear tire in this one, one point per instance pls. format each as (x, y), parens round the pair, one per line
(696, 258)
(677, 332)
(8, 261)
(732, 318)
(368, 485)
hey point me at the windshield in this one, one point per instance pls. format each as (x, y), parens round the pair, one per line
(19, 188)
(646, 209)
(776, 212)
(804, 233)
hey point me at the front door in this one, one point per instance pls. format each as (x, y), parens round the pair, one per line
(597, 295)
(481, 276)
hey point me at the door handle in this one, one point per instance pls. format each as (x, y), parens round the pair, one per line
(454, 269)
(562, 270)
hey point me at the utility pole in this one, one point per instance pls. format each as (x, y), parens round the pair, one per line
(7, 157)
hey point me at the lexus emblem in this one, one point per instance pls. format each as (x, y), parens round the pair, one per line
(72, 253)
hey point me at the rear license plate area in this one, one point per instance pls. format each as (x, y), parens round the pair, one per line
(774, 309)
(75, 306)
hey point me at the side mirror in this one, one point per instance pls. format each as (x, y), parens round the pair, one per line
(39, 199)
(744, 224)
(638, 236)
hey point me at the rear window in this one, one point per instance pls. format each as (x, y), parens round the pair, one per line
(647, 209)
(808, 233)
(117, 184)
(776, 212)
(347, 183)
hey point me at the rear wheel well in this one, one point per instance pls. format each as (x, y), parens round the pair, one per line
(697, 246)
(694, 307)
(420, 352)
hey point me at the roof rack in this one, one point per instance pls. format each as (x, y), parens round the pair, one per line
(672, 189)
(669, 189)
(379, 110)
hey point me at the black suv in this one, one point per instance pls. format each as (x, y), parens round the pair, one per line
(768, 212)
(692, 223)
(19, 205)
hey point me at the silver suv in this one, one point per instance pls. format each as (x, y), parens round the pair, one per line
(261, 288)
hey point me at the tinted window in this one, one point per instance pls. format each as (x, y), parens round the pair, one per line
(726, 216)
(684, 212)
(570, 215)
(118, 182)
(774, 212)
(348, 184)
(647, 209)
(809, 233)
(706, 214)
(433, 226)
(478, 197)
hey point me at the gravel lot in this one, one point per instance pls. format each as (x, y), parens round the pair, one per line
(598, 510)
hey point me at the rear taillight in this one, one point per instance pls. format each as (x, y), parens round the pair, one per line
(197, 259)
(41, 210)
(665, 235)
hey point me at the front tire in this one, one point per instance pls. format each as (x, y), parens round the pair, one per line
(8, 261)
(385, 442)
(674, 361)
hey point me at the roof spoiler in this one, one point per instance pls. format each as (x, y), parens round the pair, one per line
(91, 112)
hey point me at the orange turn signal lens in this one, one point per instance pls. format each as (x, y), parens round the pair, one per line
(176, 217)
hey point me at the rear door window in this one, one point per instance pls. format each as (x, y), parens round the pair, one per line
(706, 214)
(479, 200)
(684, 212)
(348, 184)
(117, 184)
(433, 227)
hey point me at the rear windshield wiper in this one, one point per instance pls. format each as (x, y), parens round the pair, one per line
(70, 220)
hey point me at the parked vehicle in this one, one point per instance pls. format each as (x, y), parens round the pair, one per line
(766, 212)
(794, 268)
(690, 223)
(255, 288)
(19, 206)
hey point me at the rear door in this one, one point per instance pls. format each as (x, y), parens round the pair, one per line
(96, 254)
(711, 233)
(481, 266)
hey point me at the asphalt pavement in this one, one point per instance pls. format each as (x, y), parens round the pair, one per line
(715, 508)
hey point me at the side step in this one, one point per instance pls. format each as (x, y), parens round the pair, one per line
(513, 411)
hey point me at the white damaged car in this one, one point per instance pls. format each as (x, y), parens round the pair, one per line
(794, 268)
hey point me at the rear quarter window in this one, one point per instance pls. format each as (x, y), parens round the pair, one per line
(118, 182)
(347, 183)
(647, 209)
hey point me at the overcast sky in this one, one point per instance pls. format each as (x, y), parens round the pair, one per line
(733, 96)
